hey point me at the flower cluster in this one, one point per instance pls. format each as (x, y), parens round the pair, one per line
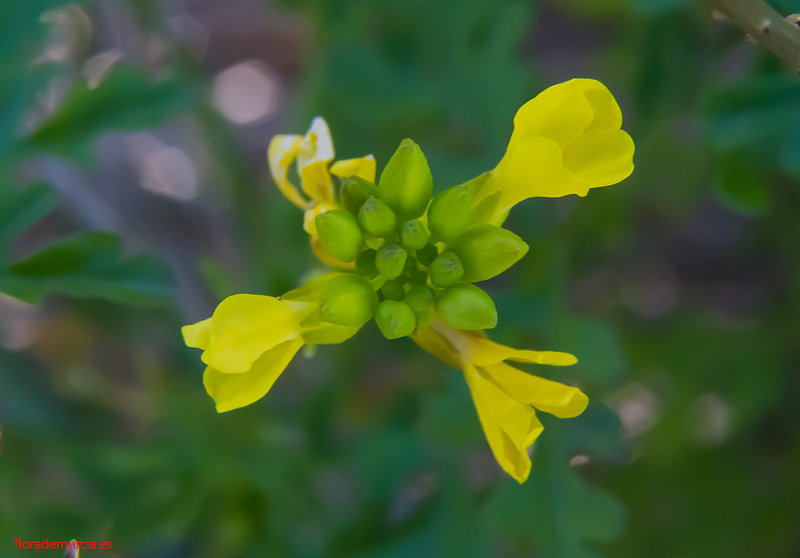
(409, 261)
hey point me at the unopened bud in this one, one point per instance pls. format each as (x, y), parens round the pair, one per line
(486, 251)
(420, 300)
(446, 269)
(348, 300)
(448, 214)
(413, 235)
(339, 234)
(354, 192)
(406, 183)
(427, 254)
(395, 319)
(377, 218)
(391, 260)
(393, 290)
(466, 306)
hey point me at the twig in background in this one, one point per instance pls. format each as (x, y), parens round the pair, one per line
(765, 26)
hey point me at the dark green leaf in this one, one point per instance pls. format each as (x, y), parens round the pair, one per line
(126, 99)
(88, 266)
(556, 508)
(20, 209)
(746, 112)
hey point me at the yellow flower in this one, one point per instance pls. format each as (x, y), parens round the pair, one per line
(566, 140)
(506, 398)
(313, 153)
(250, 340)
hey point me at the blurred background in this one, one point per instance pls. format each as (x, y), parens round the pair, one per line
(135, 195)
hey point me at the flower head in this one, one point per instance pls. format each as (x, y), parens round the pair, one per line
(566, 140)
(410, 262)
(250, 340)
(506, 398)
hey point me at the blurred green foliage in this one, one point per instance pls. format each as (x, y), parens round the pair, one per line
(678, 290)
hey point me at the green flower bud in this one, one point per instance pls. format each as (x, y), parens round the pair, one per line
(391, 260)
(377, 218)
(427, 254)
(406, 183)
(395, 319)
(339, 234)
(420, 300)
(446, 269)
(348, 300)
(466, 306)
(418, 277)
(413, 235)
(365, 264)
(448, 215)
(486, 251)
(354, 192)
(393, 290)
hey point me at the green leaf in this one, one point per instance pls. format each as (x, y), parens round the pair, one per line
(89, 265)
(740, 185)
(20, 209)
(789, 156)
(653, 8)
(601, 359)
(749, 111)
(558, 510)
(126, 99)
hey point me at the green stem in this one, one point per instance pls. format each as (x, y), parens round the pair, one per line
(766, 26)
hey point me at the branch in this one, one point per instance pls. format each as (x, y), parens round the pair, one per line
(765, 26)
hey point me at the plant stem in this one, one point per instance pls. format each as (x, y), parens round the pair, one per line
(766, 26)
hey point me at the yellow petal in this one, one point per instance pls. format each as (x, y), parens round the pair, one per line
(560, 113)
(314, 154)
(600, 157)
(551, 397)
(197, 335)
(317, 145)
(363, 167)
(510, 426)
(534, 169)
(309, 217)
(282, 151)
(486, 352)
(231, 391)
(566, 140)
(311, 290)
(606, 112)
(437, 344)
(244, 327)
(317, 332)
(316, 182)
(313, 329)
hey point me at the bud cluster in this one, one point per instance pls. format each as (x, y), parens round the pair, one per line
(414, 257)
